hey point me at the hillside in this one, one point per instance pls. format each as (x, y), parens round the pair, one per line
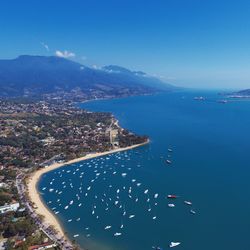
(40, 75)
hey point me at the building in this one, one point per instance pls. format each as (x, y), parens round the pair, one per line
(9, 208)
(113, 135)
(43, 246)
(3, 185)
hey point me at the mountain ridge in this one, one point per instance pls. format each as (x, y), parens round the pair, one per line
(29, 75)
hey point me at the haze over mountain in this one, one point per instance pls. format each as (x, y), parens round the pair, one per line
(37, 75)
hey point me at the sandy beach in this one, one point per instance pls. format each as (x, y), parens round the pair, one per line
(34, 195)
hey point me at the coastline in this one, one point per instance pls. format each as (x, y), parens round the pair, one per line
(34, 195)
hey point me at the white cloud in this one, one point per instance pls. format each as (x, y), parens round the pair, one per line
(46, 46)
(65, 54)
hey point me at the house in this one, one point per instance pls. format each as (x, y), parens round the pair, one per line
(9, 208)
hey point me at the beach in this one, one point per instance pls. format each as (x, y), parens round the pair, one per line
(35, 198)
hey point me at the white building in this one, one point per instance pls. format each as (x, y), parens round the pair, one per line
(8, 208)
(3, 185)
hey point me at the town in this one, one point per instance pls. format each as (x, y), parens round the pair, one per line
(36, 134)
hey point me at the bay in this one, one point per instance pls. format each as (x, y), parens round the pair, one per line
(210, 168)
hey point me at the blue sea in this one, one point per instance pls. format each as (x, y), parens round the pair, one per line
(126, 192)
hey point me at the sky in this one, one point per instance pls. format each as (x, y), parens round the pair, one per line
(190, 43)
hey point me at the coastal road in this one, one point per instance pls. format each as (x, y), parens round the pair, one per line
(54, 237)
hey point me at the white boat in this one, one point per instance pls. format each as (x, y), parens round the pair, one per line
(76, 235)
(174, 244)
(188, 202)
(154, 218)
(171, 205)
(124, 212)
(131, 216)
(107, 227)
(117, 234)
(192, 211)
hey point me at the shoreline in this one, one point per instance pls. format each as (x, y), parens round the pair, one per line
(34, 195)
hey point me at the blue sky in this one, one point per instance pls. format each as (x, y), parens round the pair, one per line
(192, 43)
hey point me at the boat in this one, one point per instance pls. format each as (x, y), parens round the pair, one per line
(168, 161)
(171, 205)
(170, 150)
(156, 196)
(223, 101)
(172, 196)
(192, 211)
(188, 202)
(174, 244)
(131, 216)
(76, 235)
(117, 234)
(107, 227)
(199, 98)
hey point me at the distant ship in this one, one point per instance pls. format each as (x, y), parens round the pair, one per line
(199, 98)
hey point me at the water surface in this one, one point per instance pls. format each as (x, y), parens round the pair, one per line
(210, 167)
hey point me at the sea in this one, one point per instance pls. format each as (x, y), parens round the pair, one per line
(119, 201)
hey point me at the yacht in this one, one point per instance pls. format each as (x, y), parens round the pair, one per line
(174, 244)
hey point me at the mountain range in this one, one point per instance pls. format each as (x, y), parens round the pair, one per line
(38, 75)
